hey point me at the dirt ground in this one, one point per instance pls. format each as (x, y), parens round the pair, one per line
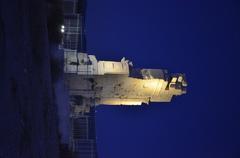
(28, 116)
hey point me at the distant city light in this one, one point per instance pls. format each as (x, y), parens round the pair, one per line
(62, 28)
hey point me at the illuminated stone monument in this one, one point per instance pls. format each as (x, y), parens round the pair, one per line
(91, 82)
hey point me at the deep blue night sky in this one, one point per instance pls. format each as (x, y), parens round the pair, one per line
(199, 38)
